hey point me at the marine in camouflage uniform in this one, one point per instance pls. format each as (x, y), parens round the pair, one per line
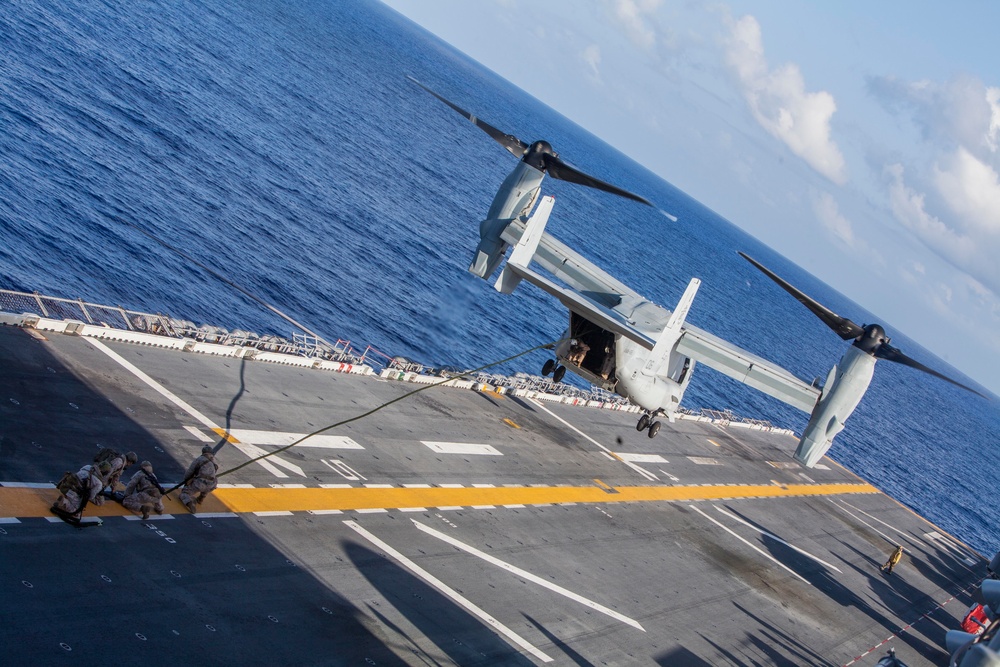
(199, 480)
(82, 487)
(144, 491)
(119, 464)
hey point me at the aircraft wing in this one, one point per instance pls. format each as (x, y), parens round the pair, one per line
(764, 376)
(602, 299)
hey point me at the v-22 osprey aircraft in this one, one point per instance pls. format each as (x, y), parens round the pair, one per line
(621, 341)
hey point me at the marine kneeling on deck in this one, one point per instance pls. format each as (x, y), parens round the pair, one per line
(200, 479)
(143, 492)
(89, 484)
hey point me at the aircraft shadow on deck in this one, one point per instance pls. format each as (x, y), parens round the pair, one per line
(826, 583)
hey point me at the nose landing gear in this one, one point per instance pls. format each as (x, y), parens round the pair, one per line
(646, 422)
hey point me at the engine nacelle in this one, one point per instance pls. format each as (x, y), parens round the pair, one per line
(514, 199)
(844, 388)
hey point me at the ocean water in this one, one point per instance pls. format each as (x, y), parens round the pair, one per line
(281, 144)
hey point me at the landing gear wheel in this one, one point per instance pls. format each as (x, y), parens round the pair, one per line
(559, 374)
(548, 367)
(643, 423)
(654, 428)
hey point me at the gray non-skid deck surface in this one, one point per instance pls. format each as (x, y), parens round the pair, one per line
(708, 582)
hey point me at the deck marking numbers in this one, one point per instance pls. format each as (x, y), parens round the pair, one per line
(451, 593)
(524, 574)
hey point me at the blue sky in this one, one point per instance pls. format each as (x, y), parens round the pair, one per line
(860, 140)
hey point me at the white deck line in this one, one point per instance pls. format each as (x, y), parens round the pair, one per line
(178, 401)
(875, 518)
(446, 590)
(645, 473)
(778, 539)
(524, 574)
(755, 548)
(844, 509)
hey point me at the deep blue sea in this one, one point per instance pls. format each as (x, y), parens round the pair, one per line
(281, 144)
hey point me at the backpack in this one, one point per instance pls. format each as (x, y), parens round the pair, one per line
(69, 482)
(106, 455)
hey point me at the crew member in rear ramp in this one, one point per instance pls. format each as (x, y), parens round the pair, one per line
(199, 480)
(143, 492)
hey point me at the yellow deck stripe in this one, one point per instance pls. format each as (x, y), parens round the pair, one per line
(223, 433)
(28, 502)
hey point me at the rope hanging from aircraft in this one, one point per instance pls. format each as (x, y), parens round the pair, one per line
(274, 310)
(380, 407)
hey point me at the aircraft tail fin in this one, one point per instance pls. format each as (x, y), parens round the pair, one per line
(526, 247)
(659, 357)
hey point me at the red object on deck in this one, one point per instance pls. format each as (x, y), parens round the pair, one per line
(976, 613)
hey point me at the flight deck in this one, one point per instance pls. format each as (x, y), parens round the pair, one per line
(454, 526)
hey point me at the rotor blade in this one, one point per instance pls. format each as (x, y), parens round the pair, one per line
(515, 146)
(556, 168)
(842, 326)
(890, 353)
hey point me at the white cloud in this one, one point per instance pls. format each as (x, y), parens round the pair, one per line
(592, 57)
(780, 103)
(971, 188)
(962, 111)
(962, 251)
(957, 215)
(633, 16)
(993, 99)
(828, 213)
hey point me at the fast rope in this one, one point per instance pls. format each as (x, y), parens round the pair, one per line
(380, 407)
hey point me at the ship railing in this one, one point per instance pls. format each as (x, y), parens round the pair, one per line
(114, 317)
(727, 416)
(405, 365)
